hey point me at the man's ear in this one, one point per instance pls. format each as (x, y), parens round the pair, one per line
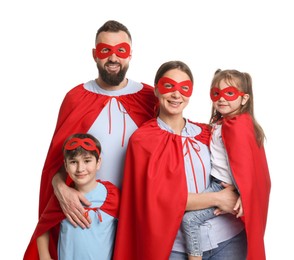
(131, 55)
(94, 54)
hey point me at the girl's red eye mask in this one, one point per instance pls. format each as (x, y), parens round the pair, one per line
(230, 93)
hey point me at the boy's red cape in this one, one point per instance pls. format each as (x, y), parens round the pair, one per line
(77, 113)
(53, 215)
(154, 192)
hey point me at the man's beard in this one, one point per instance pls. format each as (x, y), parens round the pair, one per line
(112, 79)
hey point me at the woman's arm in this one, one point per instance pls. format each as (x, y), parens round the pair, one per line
(225, 199)
(70, 201)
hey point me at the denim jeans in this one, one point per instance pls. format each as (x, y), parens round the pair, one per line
(192, 221)
(232, 249)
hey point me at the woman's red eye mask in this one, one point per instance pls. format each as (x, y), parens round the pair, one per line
(166, 85)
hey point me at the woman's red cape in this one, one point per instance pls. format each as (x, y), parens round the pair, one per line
(154, 190)
(154, 193)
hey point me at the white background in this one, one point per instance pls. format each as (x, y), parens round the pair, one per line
(46, 50)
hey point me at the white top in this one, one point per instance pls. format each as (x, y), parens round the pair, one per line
(219, 159)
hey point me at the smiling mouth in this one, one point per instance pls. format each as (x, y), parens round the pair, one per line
(175, 103)
(81, 175)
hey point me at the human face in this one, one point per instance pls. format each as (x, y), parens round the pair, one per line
(112, 68)
(82, 170)
(173, 102)
(229, 99)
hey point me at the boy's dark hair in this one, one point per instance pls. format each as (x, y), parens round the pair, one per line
(80, 150)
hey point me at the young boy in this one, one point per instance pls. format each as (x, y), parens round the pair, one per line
(81, 161)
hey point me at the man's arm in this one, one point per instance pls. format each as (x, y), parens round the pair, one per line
(70, 201)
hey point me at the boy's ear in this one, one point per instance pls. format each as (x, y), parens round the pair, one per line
(99, 163)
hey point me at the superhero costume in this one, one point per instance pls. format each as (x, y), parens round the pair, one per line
(77, 113)
(154, 193)
(251, 174)
(154, 190)
(53, 215)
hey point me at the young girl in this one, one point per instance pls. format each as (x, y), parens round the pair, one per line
(238, 157)
(81, 161)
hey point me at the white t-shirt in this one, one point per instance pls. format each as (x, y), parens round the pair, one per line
(219, 159)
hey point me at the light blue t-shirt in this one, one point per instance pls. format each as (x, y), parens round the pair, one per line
(91, 243)
(113, 128)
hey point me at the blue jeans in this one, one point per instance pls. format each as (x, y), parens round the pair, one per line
(232, 249)
(192, 221)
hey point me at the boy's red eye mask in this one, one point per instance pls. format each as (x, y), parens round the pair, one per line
(87, 143)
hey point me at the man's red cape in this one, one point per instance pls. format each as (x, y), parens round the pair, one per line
(53, 215)
(77, 113)
(250, 170)
(154, 193)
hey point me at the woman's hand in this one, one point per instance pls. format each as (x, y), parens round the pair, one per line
(226, 200)
(239, 208)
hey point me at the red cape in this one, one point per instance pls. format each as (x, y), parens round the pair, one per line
(250, 170)
(154, 194)
(77, 113)
(53, 215)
